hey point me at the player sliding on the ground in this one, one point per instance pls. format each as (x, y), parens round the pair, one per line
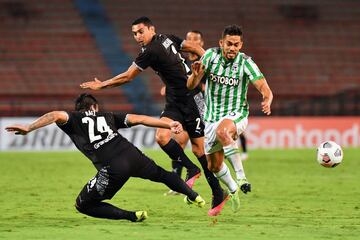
(95, 134)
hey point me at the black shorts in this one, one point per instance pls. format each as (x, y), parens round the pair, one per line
(110, 179)
(187, 113)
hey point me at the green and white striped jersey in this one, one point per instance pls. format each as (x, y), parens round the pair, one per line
(227, 84)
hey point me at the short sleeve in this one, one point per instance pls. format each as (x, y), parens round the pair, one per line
(252, 70)
(67, 127)
(145, 59)
(121, 120)
(205, 59)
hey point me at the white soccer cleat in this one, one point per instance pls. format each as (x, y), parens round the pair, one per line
(235, 201)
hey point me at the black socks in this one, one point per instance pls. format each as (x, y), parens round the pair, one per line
(176, 153)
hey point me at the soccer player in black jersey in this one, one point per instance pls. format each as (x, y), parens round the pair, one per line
(182, 139)
(95, 134)
(161, 53)
(196, 37)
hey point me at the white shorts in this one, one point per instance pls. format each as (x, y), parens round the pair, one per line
(211, 143)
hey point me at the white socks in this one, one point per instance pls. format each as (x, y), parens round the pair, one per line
(225, 177)
(232, 153)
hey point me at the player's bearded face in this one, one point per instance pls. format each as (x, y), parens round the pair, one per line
(142, 34)
(231, 46)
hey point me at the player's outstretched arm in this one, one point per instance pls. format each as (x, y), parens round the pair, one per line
(197, 69)
(188, 46)
(118, 80)
(262, 86)
(59, 117)
(134, 119)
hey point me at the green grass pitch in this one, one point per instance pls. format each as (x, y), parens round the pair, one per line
(293, 198)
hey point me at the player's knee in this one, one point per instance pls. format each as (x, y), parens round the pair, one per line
(222, 134)
(83, 205)
(162, 136)
(79, 204)
(77, 207)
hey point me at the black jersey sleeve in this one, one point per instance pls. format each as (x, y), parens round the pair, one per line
(120, 120)
(176, 40)
(145, 58)
(67, 127)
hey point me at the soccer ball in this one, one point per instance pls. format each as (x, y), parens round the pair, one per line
(329, 154)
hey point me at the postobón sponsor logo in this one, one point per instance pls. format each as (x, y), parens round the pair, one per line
(224, 80)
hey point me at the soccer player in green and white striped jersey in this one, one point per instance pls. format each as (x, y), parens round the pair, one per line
(228, 73)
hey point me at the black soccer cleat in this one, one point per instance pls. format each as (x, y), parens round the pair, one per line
(244, 185)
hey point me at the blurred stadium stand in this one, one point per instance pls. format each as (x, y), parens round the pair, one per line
(45, 53)
(308, 50)
(109, 45)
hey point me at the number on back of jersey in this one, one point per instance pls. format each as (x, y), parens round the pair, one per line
(101, 127)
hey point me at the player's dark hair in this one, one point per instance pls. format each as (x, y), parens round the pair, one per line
(197, 32)
(144, 20)
(232, 30)
(84, 102)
